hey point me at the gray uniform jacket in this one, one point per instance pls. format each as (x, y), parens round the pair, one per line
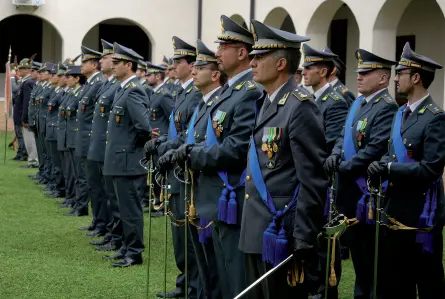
(334, 109)
(105, 97)
(53, 114)
(345, 92)
(424, 138)
(128, 130)
(32, 108)
(237, 103)
(160, 107)
(42, 110)
(377, 114)
(62, 121)
(85, 114)
(71, 118)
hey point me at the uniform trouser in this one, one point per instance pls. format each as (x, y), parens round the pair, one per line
(230, 261)
(404, 270)
(50, 164)
(360, 239)
(21, 151)
(40, 154)
(176, 205)
(82, 189)
(57, 173)
(30, 144)
(127, 189)
(317, 272)
(114, 226)
(68, 175)
(207, 269)
(99, 200)
(275, 286)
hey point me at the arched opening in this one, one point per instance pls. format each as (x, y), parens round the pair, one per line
(239, 20)
(280, 18)
(122, 31)
(27, 34)
(425, 38)
(334, 25)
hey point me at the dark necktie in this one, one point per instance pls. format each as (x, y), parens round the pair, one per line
(224, 88)
(406, 114)
(266, 105)
(363, 103)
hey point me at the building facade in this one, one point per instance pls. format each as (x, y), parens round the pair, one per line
(56, 29)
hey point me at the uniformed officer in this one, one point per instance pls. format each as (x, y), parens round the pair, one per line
(335, 81)
(285, 183)
(161, 102)
(28, 131)
(208, 78)
(19, 103)
(141, 73)
(128, 130)
(42, 109)
(52, 128)
(411, 260)
(186, 100)
(222, 161)
(317, 67)
(67, 170)
(94, 80)
(31, 120)
(106, 209)
(74, 79)
(363, 140)
(20, 113)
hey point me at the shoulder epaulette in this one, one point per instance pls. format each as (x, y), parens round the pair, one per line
(335, 96)
(131, 85)
(250, 85)
(434, 108)
(189, 90)
(386, 97)
(238, 87)
(343, 89)
(300, 95)
(283, 99)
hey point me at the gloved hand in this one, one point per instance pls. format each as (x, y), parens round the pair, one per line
(331, 164)
(378, 169)
(151, 146)
(165, 161)
(181, 154)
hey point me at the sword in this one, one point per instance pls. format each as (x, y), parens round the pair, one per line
(328, 254)
(377, 232)
(166, 187)
(186, 179)
(267, 274)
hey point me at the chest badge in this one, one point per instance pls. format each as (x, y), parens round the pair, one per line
(270, 139)
(218, 119)
(361, 128)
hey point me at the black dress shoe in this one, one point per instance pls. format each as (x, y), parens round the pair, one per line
(117, 256)
(95, 233)
(128, 261)
(16, 158)
(23, 159)
(158, 214)
(100, 242)
(172, 294)
(89, 227)
(110, 246)
(76, 213)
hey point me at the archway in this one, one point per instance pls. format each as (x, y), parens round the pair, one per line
(38, 36)
(239, 20)
(280, 18)
(334, 24)
(122, 31)
(424, 37)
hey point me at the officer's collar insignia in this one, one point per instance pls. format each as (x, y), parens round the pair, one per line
(284, 99)
(190, 89)
(211, 101)
(421, 111)
(238, 87)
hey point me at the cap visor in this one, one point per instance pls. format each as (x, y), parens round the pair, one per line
(203, 62)
(256, 52)
(306, 64)
(364, 70)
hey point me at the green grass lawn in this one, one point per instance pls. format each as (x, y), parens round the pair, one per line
(43, 255)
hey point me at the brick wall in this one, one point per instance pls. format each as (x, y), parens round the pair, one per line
(2, 118)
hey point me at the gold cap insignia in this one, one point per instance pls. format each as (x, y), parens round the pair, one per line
(255, 37)
(222, 27)
(359, 56)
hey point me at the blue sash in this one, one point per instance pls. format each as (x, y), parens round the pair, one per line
(365, 210)
(275, 243)
(227, 209)
(172, 133)
(205, 235)
(429, 209)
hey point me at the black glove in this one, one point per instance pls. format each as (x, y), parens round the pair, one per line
(181, 154)
(331, 164)
(378, 169)
(165, 161)
(151, 146)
